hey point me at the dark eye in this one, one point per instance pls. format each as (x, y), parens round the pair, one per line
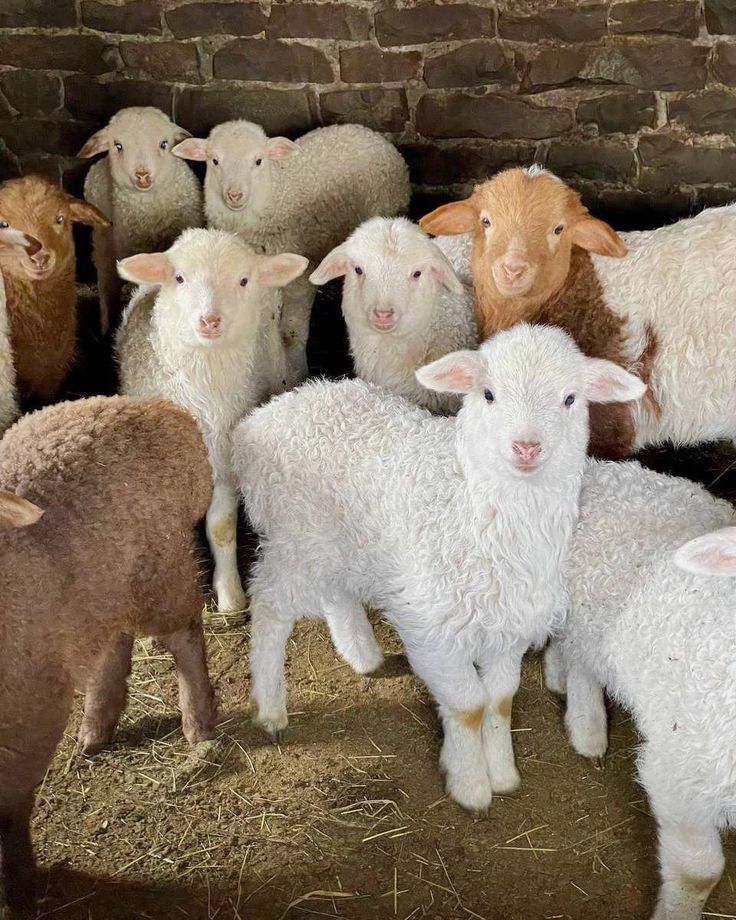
(4, 225)
(118, 146)
(358, 270)
(558, 229)
(259, 161)
(243, 282)
(489, 395)
(59, 219)
(486, 221)
(179, 279)
(215, 161)
(417, 274)
(569, 400)
(163, 145)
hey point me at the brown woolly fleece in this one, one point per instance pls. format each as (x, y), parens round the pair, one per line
(41, 287)
(107, 551)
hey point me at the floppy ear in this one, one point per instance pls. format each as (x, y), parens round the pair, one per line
(15, 241)
(180, 134)
(712, 554)
(276, 271)
(596, 236)
(457, 217)
(442, 270)
(146, 268)
(17, 512)
(607, 382)
(458, 372)
(193, 148)
(279, 147)
(98, 143)
(334, 265)
(82, 212)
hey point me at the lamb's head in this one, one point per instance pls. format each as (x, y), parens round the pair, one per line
(394, 276)
(712, 554)
(239, 157)
(44, 212)
(526, 406)
(139, 141)
(524, 224)
(211, 285)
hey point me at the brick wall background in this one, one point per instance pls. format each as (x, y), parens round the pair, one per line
(632, 100)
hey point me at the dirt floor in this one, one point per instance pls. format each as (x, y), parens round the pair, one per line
(348, 819)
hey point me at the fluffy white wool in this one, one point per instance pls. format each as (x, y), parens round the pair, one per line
(362, 498)
(143, 220)
(304, 197)
(663, 642)
(458, 250)
(394, 272)
(162, 353)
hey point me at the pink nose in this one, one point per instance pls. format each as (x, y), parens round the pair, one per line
(142, 177)
(209, 323)
(384, 314)
(526, 451)
(41, 258)
(235, 197)
(514, 270)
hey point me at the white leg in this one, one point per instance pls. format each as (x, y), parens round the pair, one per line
(295, 314)
(270, 631)
(222, 526)
(501, 675)
(352, 634)
(586, 719)
(555, 677)
(453, 681)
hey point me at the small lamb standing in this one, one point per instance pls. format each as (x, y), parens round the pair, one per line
(149, 195)
(456, 528)
(99, 503)
(303, 197)
(13, 244)
(663, 642)
(202, 331)
(40, 286)
(658, 302)
(403, 305)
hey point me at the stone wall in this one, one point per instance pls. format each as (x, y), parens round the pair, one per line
(633, 100)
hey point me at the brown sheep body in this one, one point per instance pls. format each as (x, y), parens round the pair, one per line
(41, 288)
(97, 544)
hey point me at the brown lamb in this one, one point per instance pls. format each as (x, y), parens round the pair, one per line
(41, 287)
(98, 505)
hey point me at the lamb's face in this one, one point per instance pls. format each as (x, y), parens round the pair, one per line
(138, 142)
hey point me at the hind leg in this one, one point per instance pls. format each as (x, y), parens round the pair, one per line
(196, 697)
(555, 677)
(352, 633)
(586, 719)
(271, 626)
(105, 697)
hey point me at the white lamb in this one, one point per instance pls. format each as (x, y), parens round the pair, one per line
(457, 529)
(403, 304)
(663, 642)
(149, 195)
(202, 331)
(301, 197)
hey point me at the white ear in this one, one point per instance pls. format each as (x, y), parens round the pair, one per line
(441, 269)
(98, 143)
(334, 265)
(16, 241)
(276, 271)
(193, 148)
(146, 268)
(279, 147)
(712, 554)
(607, 382)
(458, 372)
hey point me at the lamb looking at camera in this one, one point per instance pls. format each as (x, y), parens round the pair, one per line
(202, 331)
(457, 529)
(303, 197)
(403, 305)
(149, 195)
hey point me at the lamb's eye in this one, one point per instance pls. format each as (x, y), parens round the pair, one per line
(486, 221)
(358, 270)
(164, 145)
(118, 146)
(417, 274)
(558, 229)
(243, 282)
(215, 161)
(4, 225)
(179, 279)
(59, 219)
(569, 400)
(259, 161)
(489, 395)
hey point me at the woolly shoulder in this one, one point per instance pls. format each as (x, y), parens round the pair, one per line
(98, 187)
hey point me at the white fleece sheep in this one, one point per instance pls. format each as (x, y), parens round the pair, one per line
(13, 243)
(149, 195)
(202, 331)
(456, 528)
(403, 304)
(663, 642)
(303, 197)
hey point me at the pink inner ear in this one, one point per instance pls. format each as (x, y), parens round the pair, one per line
(280, 147)
(193, 148)
(715, 559)
(147, 269)
(457, 377)
(332, 267)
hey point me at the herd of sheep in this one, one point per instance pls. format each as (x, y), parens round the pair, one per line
(496, 346)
